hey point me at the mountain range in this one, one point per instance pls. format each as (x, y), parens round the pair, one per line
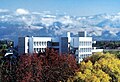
(22, 22)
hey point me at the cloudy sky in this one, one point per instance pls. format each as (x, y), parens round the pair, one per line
(71, 7)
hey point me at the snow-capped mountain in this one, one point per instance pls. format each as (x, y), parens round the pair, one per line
(23, 22)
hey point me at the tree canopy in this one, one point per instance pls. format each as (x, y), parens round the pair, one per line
(43, 67)
(98, 68)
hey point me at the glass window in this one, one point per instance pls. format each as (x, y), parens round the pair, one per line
(40, 49)
(35, 49)
(28, 43)
(42, 43)
(86, 49)
(81, 43)
(34, 44)
(43, 49)
(88, 43)
(45, 43)
(37, 43)
(81, 49)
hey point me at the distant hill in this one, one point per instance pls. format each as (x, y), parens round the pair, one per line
(22, 23)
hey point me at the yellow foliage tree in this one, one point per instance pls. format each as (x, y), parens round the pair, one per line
(105, 68)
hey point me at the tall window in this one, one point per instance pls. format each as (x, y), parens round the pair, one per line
(34, 43)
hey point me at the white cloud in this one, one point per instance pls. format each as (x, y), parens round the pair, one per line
(4, 10)
(37, 13)
(22, 11)
(47, 21)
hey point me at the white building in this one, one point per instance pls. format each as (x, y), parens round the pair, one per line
(39, 44)
(32, 44)
(80, 45)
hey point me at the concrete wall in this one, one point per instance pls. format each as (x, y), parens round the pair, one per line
(21, 45)
(63, 45)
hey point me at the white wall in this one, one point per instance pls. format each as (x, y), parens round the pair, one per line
(26, 44)
(40, 43)
(85, 48)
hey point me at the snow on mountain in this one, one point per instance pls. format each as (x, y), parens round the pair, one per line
(3, 10)
(23, 22)
(22, 11)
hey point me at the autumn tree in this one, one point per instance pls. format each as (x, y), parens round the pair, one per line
(98, 68)
(57, 67)
(48, 66)
(7, 69)
(29, 68)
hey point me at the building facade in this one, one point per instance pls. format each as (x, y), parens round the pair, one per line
(83, 46)
(32, 44)
(80, 45)
(39, 44)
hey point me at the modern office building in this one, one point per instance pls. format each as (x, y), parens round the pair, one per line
(82, 44)
(39, 44)
(79, 45)
(32, 44)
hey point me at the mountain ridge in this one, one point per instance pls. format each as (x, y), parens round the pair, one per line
(23, 22)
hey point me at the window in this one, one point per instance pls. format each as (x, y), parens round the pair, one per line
(28, 43)
(37, 44)
(35, 49)
(43, 49)
(45, 43)
(42, 43)
(34, 43)
(80, 43)
(40, 49)
(55, 43)
(84, 43)
(90, 43)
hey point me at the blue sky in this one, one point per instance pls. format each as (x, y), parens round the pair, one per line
(71, 7)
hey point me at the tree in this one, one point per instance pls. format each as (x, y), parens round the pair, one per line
(43, 67)
(29, 68)
(7, 69)
(57, 67)
(98, 68)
